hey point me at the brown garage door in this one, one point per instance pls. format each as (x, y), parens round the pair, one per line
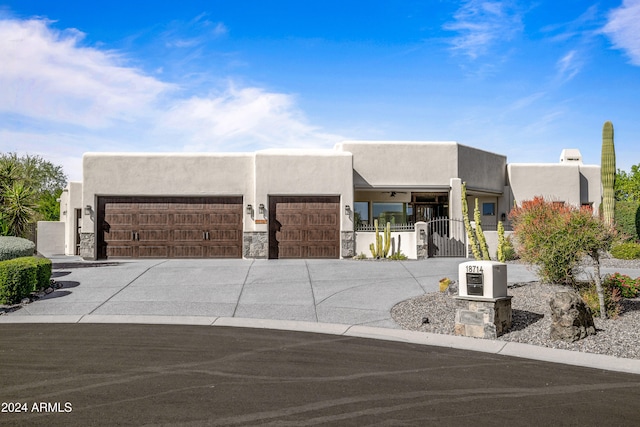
(170, 227)
(304, 227)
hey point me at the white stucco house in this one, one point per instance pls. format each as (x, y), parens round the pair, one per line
(300, 203)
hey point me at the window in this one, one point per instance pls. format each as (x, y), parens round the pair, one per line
(489, 209)
(395, 213)
(362, 212)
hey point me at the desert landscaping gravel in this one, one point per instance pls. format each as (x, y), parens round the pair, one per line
(531, 318)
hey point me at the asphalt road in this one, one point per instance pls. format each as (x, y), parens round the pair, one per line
(120, 374)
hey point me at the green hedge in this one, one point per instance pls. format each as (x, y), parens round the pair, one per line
(627, 216)
(21, 276)
(627, 250)
(15, 247)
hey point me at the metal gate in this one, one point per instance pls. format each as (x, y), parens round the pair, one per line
(446, 238)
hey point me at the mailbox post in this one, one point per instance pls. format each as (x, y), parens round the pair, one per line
(485, 307)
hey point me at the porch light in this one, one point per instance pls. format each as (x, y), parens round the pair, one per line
(261, 209)
(87, 210)
(347, 209)
(249, 209)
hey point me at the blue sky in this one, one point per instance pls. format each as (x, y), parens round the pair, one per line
(524, 79)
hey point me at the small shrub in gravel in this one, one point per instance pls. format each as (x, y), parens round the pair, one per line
(628, 287)
(612, 299)
(15, 247)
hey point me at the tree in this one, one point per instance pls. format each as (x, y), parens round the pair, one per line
(593, 237)
(627, 210)
(627, 185)
(29, 189)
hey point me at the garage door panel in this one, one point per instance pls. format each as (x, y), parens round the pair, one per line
(121, 236)
(153, 235)
(322, 252)
(321, 236)
(189, 251)
(224, 235)
(189, 219)
(188, 235)
(119, 251)
(329, 219)
(145, 205)
(119, 219)
(166, 227)
(153, 219)
(153, 251)
(287, 251)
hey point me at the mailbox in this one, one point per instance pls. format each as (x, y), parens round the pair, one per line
(482, 279)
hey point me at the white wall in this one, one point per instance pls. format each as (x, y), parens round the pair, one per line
(555, 182)
(403, 164)
(404, 241)
(70, 200)
(50, 238)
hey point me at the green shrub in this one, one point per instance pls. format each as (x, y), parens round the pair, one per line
(628, 287)
(508, 251)
(21, 276)
(15, 247)
(399, 256)
(555, 237)
(627, 250)
(612, 299)
(627, 216)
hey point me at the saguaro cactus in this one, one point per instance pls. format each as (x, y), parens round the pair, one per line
(608, 173)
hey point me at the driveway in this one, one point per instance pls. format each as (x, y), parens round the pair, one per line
(325, 291)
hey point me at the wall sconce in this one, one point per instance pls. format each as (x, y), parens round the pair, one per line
(347, 209)
(249, 210)
(64, 213)
(261, 209)
(87, 210)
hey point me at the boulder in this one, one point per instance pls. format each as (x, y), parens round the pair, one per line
(571, 318)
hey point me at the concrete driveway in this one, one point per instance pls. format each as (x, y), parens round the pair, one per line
(325, 291)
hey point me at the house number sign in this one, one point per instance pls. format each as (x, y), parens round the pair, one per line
(474, 269)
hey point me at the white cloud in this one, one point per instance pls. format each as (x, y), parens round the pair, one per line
(481, 24)
(241, 117)
(47, 75)
(623, 29)
(568, 66)
(59, 98)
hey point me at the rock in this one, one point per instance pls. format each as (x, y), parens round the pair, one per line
(425, 320)
(571, 318)
(25, 301)
(452, 289)
(48, 290)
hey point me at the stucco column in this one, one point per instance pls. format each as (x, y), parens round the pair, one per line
(455, 198)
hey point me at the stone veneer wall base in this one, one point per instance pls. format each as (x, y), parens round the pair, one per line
(87, 246)
(348, 244)
(255, 244)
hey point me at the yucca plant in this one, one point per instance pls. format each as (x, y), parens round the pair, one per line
(18, 209)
